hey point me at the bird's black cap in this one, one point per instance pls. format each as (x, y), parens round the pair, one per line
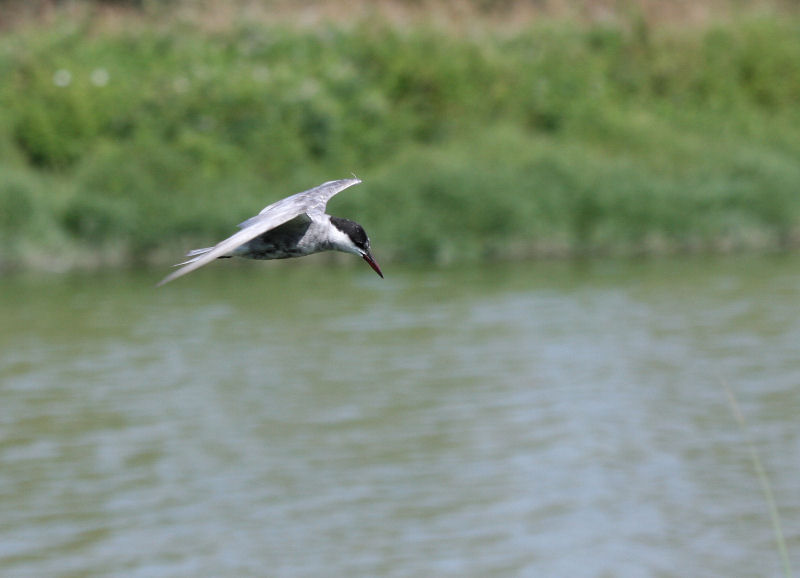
(353, 230)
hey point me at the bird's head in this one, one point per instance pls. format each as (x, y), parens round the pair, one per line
(353, 239)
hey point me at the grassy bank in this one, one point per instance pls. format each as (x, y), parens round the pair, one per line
(128, 143)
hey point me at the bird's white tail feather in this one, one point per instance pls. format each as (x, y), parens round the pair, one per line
(194, 254)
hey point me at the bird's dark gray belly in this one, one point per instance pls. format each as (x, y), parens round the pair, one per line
(282, 242)
(260, 250)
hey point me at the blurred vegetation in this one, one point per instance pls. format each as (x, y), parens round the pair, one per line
(132, 143)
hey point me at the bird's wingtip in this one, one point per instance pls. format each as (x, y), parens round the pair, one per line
(341, 183)
(171, 277)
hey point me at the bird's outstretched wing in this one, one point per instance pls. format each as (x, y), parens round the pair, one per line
(312, 201)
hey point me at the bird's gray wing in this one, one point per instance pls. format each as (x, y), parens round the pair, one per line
(311, 201)
(258, 225)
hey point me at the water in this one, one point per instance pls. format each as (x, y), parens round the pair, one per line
(286, 420)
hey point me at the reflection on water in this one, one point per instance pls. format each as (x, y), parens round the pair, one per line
(518, 420)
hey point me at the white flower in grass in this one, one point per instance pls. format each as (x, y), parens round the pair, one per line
(99, 77)
(62, 77)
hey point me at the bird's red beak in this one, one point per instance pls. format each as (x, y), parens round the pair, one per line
(372, 263)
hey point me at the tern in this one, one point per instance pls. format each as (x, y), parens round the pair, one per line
(292, 227)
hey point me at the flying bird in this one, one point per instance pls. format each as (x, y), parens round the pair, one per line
(292, 227)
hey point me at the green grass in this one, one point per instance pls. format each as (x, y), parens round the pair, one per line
(122, 144)
(763, 480)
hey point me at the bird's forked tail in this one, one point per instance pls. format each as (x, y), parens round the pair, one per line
(194, 254)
